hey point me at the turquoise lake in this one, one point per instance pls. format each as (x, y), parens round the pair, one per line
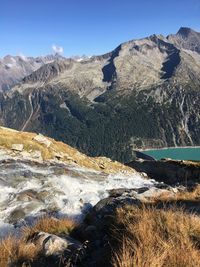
(192, 153)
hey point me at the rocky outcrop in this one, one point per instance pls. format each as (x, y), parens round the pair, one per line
(98, 225)
(52, 245)
(17, 147)
(169, 171)
(52, 251)
(102, 213)
(42, 140)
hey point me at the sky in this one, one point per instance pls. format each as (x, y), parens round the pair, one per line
(89, 27)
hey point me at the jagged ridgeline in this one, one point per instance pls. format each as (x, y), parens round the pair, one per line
(145, 93)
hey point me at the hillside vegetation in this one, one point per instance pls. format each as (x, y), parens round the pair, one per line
(49, 149)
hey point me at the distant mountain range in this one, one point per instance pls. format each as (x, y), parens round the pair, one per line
(145, 93)
(14, 68)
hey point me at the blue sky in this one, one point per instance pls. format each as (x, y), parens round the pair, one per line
(88, 27)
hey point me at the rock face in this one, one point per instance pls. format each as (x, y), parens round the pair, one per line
(42, 140)
(186, 38)
(17, 147)
(98, 224)
(97, 220)
(169, 171)
(50, 244)
(145, 93)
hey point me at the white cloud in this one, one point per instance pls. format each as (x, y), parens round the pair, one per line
(57, 49)
(22, 56)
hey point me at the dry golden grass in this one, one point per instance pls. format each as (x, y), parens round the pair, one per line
(7, 138)
(189, 195)
(157, 238)
(185, 195)
(51, 225)
(69, 154)
(16, 250)
(6, 250)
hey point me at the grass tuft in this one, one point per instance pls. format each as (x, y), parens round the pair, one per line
(50, 225)
(13, 250)
(19, 250)
(156, 238)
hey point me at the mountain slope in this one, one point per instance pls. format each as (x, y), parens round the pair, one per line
(14, 68)
(145, 93)
(36, 147)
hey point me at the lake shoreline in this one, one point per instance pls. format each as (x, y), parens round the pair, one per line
(165, 148)
(177, 153)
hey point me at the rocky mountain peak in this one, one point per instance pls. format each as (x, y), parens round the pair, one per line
(46, 72)
(14, 68)
(185, 31)
(186, 38)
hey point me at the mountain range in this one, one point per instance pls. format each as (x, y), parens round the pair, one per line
(143, 94)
